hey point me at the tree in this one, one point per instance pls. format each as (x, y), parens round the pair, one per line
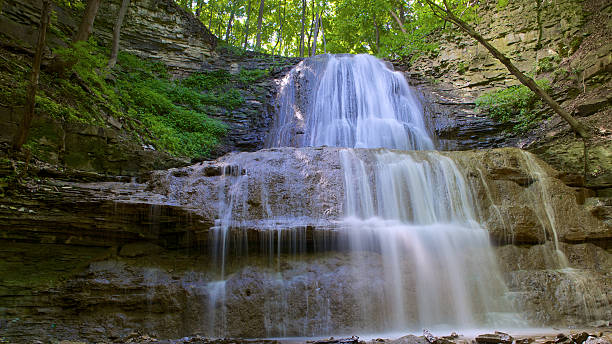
(231, 19)
(303, 23)
(246, 27)
(87, 21)
(259, 21)
(281, 21)
(399, 21)
(198, 11)
(445, 12)
(117, 32)
(26, 120)
(316, 33)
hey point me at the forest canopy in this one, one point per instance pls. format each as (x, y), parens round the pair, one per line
(391, 29)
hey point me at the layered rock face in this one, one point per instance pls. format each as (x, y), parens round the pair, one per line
(148, 256)
(157, 30)
(565, 42)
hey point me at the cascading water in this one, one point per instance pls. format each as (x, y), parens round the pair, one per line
(354, 101)
(407, 211)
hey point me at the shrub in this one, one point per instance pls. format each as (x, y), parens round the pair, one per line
(547, 64)
(516, 104)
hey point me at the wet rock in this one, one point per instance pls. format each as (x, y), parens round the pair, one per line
(213, 171)
(579, 338)
(435, 340)
(561, 338)
(494, 338)
(571, 179)
(592, 105)
(139, 249)
(332, 340)
(410, 339)
(527, 340)
(512, 174)
(596, 340)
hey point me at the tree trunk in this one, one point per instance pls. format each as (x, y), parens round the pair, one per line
(86, 26)
(229, 23)
(117, 32)
(200, 4)
(279, 41)
(210, 7)
(323, 33)
(26, 120)
(399, 21)
(303, 24)
(315, 36)
(246, 27)
(447, 14)
(310, 32)
(377, 35)
(259, 20)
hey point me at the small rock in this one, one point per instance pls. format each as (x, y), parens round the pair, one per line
(595, 340)
(579, 338)
(590, 106)
(213, 171)
(527, 340)
(494, 338)
(561, 338)
(180, 173)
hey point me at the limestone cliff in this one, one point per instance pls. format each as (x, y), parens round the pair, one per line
(155, 30)
(567, 42)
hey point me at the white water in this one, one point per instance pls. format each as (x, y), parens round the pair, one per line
(413, 209)
(416, 210)
(356, 101)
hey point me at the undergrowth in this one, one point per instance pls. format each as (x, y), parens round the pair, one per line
(515, 104)
(172, 115)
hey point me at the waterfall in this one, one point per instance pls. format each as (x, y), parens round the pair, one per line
(351, 101)
(418, 256)
(413, 208)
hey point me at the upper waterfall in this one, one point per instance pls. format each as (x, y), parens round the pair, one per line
(351, 101)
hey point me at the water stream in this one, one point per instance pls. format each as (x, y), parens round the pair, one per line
(407, 210)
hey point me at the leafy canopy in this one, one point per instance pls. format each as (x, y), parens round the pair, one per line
(392, 29)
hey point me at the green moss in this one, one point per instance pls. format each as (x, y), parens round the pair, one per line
(516, 104)
(169, 114)
(575, 44)
(501, 4)
(462, 67)
(248, 76)
(547, 64)
(560, 73)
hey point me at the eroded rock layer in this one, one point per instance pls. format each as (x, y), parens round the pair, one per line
(143, 256)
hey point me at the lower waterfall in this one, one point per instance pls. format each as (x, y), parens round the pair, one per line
(416, 210)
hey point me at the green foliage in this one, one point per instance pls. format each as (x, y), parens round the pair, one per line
(248, 76)
(174, 112)
(547, 64)
(169, 114)
(75, 4)
(560, 73)
(462, 67)
(516, 104)
(575, 44)
(349, 26)
(501, 4)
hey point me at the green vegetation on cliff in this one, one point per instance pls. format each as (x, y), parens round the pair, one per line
(138, 95)
(515, 104)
